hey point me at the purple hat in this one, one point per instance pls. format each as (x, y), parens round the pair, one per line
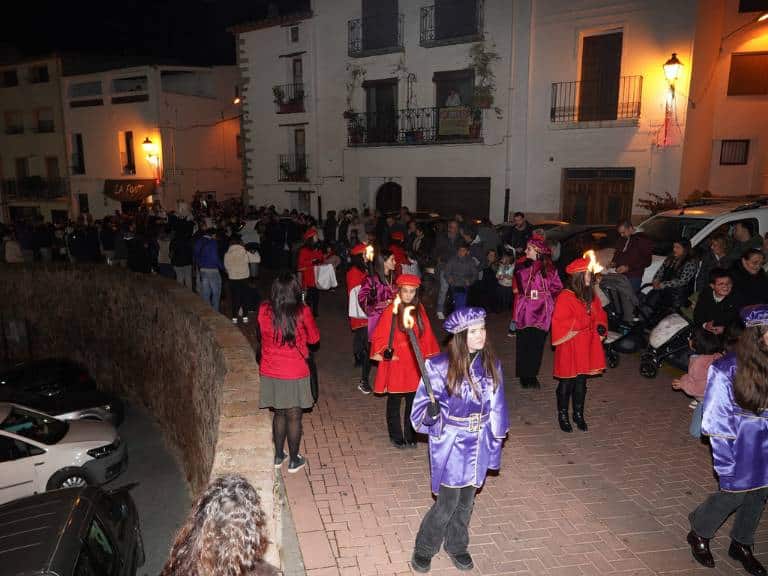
(540, 244)
(463, 318)
(755, 315)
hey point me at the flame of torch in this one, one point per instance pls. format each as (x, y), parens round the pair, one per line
(594, 265)
(407, 318)
(369, 253)
(396, 305)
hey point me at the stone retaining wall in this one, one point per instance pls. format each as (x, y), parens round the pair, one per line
(157, 344)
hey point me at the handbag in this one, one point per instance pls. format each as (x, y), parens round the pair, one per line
(355, 310)
(325, 277)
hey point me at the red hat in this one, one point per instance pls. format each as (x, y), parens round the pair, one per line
(578, 265)
(358, 249)
(309, 233)
(408, 280)
(397, 235)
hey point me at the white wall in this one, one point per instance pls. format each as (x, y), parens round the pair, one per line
(651, 32)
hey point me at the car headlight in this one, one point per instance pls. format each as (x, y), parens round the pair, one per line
(107, 407)
(104, 451)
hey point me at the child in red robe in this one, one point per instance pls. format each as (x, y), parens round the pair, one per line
(398, 372)
(578, 325)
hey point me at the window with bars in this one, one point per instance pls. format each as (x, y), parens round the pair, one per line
(294, 33)
(734, 152)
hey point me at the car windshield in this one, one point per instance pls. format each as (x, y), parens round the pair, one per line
(34, 426)
(664, 230)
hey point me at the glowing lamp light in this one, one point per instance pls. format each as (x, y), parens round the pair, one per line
(672, 68)
(396, 304)
(594, 265)
(763, 18)
(236, 101)
(148, 146)
(407, 317)
(369, 253)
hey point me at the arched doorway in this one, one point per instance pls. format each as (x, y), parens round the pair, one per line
(389, 197)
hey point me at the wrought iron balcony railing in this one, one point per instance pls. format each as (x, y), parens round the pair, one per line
(447, 125)
(588, 101)
(289, 98)
(293, 168)
(35, 188)
(451, 22)
(377, 34)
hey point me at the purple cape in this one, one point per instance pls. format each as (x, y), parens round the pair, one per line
(739, 439)
(460, 457)
(535, 300)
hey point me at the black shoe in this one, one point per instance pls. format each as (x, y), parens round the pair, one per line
(578, 419)
(462, 561)
(364, 387)
(279, 459)
(411, 444)
(421, 563)
(744, 555)
(525, 382)
(534, 383)
(564, 421)
(296, 464)
(397, 443)
(700, 549)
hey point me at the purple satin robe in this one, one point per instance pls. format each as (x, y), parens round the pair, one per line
(459, 457)
(535, 312)
(373, 297)
(739, 439)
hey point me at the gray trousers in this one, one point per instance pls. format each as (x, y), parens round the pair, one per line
(184, 275)
(442, 292)
(710, 515)
(448, 520)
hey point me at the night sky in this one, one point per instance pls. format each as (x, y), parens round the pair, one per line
(188, 31)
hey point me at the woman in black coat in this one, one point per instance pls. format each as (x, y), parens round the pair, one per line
(749, 278)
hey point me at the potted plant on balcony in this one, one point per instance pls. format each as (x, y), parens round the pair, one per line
(477, 123)
(482, 59)
(355, 75)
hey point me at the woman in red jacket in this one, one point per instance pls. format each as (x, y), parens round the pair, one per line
(578, 327)
(309, 255)
(287, 330)
(398, 373)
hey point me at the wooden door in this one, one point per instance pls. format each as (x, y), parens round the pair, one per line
(389, 198)
(601, 199)
(381, 109)
(52, 167)
(600, 76)
(449, 196)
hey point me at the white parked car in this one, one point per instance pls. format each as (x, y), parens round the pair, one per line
(699, 223)
(39, 452)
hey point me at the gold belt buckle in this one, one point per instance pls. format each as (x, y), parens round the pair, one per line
(474, 422)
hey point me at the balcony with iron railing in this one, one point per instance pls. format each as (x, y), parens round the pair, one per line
(289, 98)
(416, 126)
(14, 129)
(586, 102)
(293, 168)
(371, 35)
(35, 188)
(454, 22)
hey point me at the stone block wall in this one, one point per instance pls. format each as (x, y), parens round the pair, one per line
(158, 344)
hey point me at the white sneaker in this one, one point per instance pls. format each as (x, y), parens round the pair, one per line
(234, 320)
(440, 316)
(245, 319)
(693, 404)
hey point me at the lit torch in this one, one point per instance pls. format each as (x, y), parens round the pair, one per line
(369, 258)
(594, 265)
(389, 351)
(408, 315)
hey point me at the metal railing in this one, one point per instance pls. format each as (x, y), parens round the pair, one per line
(293, 168)
(587, 101)
(35, 188)
(289, 98)
(14, 129)
(448, 23)
(416, 126)
(377, 34)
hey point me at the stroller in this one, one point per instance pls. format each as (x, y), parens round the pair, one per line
(621, 337)
(667, 342)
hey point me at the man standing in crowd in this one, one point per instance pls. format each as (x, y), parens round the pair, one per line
(634, 251)
(446, 246)
(519, 233)
(208, 262)
(743, 240)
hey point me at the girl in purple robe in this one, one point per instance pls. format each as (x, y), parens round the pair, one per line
(466, 421)
(735, 417)
(537, 285)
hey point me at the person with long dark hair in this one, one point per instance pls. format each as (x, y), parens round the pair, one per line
(309, 256)
(376, 293)
(398, 373)
(465, 418)
(287, 330)
(674, 281)
(537, 284)
(734, 417)
(578, 325)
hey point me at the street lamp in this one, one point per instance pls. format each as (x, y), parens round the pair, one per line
(671, 73)
(150, 150)
(672, 70)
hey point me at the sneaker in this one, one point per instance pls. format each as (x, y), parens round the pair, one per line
(511, 334)
(364, 387)
(421, 563)
(440, 316)
(234, 320)
(297, 464)
(279, 460)
(462, 561)
(693, 404)
(245, 319)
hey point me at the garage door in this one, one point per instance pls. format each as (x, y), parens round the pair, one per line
(447, 196)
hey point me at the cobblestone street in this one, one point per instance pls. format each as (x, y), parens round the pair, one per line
(614, 500)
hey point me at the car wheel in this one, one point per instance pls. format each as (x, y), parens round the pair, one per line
(68, 478)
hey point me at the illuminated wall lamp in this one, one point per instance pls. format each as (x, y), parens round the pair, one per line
(150, 150)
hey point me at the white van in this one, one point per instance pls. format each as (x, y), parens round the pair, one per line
(699, 222)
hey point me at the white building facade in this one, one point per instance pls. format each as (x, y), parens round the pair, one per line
(152, 134)
(33, 159)
(581, 125)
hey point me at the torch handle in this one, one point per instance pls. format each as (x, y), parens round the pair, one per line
(420, 362)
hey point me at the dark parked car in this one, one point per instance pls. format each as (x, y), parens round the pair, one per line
(72, 532)
(61, 388)
(575, 239)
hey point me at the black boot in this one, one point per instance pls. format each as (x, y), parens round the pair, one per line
(563, 393)
(579, 395)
